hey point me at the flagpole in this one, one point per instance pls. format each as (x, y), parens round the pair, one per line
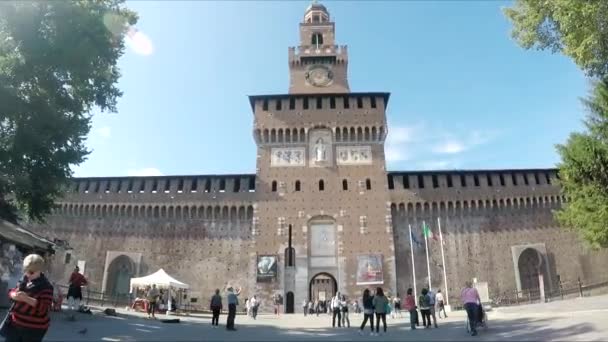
(445, 278)
(413, 265)
(426, 246)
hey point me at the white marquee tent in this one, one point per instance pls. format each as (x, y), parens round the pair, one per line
(160, 278)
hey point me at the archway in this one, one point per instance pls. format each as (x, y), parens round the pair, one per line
(323, 286)
(289, 303)
(530, 265)
(120, 272)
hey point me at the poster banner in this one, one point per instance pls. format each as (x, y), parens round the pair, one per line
(369, 269)
(266, 267)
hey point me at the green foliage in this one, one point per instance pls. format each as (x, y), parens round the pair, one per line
(576, 28)
(58, 61)
(584, 173)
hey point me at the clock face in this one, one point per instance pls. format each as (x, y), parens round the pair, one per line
(319, 76)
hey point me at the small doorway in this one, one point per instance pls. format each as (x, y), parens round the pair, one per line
(323, 286)
(289, 305)
(530, 265)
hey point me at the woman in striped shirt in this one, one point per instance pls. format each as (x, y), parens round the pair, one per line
(29, 317)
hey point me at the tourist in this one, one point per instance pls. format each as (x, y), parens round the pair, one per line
(247, 307)
(28, 318)
(233, 301)
(396, 306)
(75, 284)
(255, 304)
(152, 297)
(317, 307)
(356, 308)
(344, 307)
(368, 311)
(335, 309)
(440, 304)
(425, 308)
(432, 301)
(410, 306)
(305, 307)
(216, 308)
(470, 299)
(311, 307)
(380, 307)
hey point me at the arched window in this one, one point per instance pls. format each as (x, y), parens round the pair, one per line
(274, 186)
(297, 185)
(317, 39)
(344, 184)
(321, 185)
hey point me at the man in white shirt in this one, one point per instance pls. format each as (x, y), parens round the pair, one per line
(335, 308)
(441, 304)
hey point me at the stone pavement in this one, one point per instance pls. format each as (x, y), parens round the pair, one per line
(578, 319)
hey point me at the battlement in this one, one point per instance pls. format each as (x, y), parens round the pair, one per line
(304, 102)
(398, 180)
(306, 54)
(163, 184)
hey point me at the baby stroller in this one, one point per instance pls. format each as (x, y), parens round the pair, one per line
(482, 317)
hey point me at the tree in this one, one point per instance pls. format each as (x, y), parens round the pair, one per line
(58, 62)
(579, 30)
(584, 173)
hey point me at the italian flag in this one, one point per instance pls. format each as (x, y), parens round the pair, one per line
(426, 231)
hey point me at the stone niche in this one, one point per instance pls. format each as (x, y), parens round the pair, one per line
(119, 268)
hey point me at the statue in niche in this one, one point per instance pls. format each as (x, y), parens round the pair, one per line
(123, 280)
(320, 151)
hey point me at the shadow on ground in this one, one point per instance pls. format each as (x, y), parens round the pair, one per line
(294, 328)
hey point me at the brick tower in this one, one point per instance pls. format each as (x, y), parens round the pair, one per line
(323, 213)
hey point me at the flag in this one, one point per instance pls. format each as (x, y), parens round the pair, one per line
(426, 231)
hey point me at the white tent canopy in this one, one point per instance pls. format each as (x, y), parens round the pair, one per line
(160, 278)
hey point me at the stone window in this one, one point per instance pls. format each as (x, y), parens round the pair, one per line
(194, 185)
(435, 181)
(368, 184)
(489, 178)
(476, 180)
(321, 185)
(548, 177)
(332, 102)
(317, 38)
(346, 104)
(359, 102)
(265, 105)
(297, 185)
(305, 103)
(274, 186)
(278, 104)
(237, 185)
(222, 185)
(391, 182)
(180, 185)
(463, 181)
(344, 184)
(450, 184)
(526, 182)
(155, 186)
(292, 103)
(319, 102)
(373, 101)
(502, 180)
(406, 182)
(536, 180)
(420, 182)
(514, 178)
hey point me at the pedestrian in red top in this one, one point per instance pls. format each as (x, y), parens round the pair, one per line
(29, 317)
(410, 306)
(76, 282)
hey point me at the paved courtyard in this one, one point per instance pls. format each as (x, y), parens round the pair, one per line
(576, 319)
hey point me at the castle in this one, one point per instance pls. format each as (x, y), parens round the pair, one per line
(321, 213)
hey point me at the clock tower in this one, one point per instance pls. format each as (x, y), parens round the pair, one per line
(318, 65)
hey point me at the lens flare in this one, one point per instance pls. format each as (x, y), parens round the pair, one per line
(139, 42)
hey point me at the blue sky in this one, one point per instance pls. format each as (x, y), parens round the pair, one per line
(463, 94)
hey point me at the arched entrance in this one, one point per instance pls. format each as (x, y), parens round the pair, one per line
(530, 265)
(322, 286)
(289, 303)
(120, 272)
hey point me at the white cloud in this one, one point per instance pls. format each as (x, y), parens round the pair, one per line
(400, 134)
(104, 132)
(438, 164)
(148, 171)
(395, 154)
(450, 147)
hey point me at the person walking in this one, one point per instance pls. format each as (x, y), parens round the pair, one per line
(75, 284)
(440, 304)
(425, 310)
(216, 308)
(410, 306)
(344, 307)
(380, 307)
(396, 306)
(233, 301)
(470, 299)
(28, 319)
(255, 304)
(335, 308)
(432, 302)
(152, 297)
(305, 307)
(368, 312)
